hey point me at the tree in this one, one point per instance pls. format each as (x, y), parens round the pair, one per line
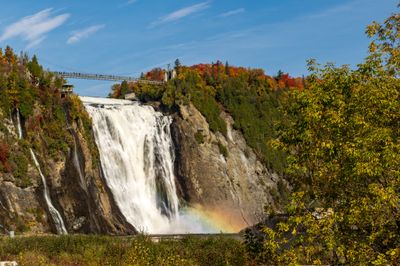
(124, 89)
(342, 136)
(178, 65)
(279, 75)
(227, 68)
(10, 56)
(35, 69)
(385, 47)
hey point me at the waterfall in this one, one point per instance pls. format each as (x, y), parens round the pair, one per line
(19, 127)
(78, 166)
(137, 156)
(55, 215)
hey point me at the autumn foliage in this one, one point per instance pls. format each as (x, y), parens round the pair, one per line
(156, 74)
(4, 156)
(219, 70)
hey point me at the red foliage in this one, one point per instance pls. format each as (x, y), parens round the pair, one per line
(155, 74)
(4, 154)
(219, 70)
(34, 121)
(286, 81)
(7, 167)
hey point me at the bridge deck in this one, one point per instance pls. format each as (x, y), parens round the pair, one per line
(76, 75)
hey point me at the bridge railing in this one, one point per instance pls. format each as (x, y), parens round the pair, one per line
(77, 75)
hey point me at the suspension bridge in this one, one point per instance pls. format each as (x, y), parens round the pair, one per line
(77, 75)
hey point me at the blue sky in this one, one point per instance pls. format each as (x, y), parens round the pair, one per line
(127, 37)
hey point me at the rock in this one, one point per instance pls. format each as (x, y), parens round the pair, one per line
(7, 177)
(78, 223)
(8, 263)
(21, 210)
(235, 187)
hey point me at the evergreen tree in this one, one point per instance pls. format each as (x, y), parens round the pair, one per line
(227, 69)
(35, 69)
(178, 65)
(279, 75)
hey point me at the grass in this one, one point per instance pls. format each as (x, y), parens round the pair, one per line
(106, 250)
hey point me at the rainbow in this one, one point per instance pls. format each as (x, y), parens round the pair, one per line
(216, 221)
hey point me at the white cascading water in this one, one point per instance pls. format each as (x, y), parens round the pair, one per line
(137, 156)
(19, 125)
(78, 167)
(55, 215)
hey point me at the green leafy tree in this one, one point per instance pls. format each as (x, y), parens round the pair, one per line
(342, 141)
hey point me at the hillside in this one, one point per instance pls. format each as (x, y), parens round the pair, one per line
(37, 121)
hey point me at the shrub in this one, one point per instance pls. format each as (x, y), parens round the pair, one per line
(199, 137)
(222, 149)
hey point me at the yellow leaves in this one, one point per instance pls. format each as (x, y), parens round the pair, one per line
(385, 196)
(328, 144)
(381, 260)
(137, 255)
(283, 227)
(372, 47)
(269, 232)
(368, 168)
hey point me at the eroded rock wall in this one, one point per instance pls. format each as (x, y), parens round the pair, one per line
(220, 174)
(77, 189)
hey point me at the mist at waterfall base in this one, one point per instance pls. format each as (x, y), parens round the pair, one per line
(137, 157)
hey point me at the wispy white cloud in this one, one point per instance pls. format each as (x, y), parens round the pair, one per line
(33, 29)
(78, 35)
(232, 13)
(181, 13)
(332, 11)
(127, 3)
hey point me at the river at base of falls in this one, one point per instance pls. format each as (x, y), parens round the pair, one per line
(137, 157)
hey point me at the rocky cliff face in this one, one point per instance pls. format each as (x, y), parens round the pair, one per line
(20, 208)
(77, 190)
(218, 175)
(222, 175)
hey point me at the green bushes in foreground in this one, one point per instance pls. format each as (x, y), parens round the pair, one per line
(103, 250)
